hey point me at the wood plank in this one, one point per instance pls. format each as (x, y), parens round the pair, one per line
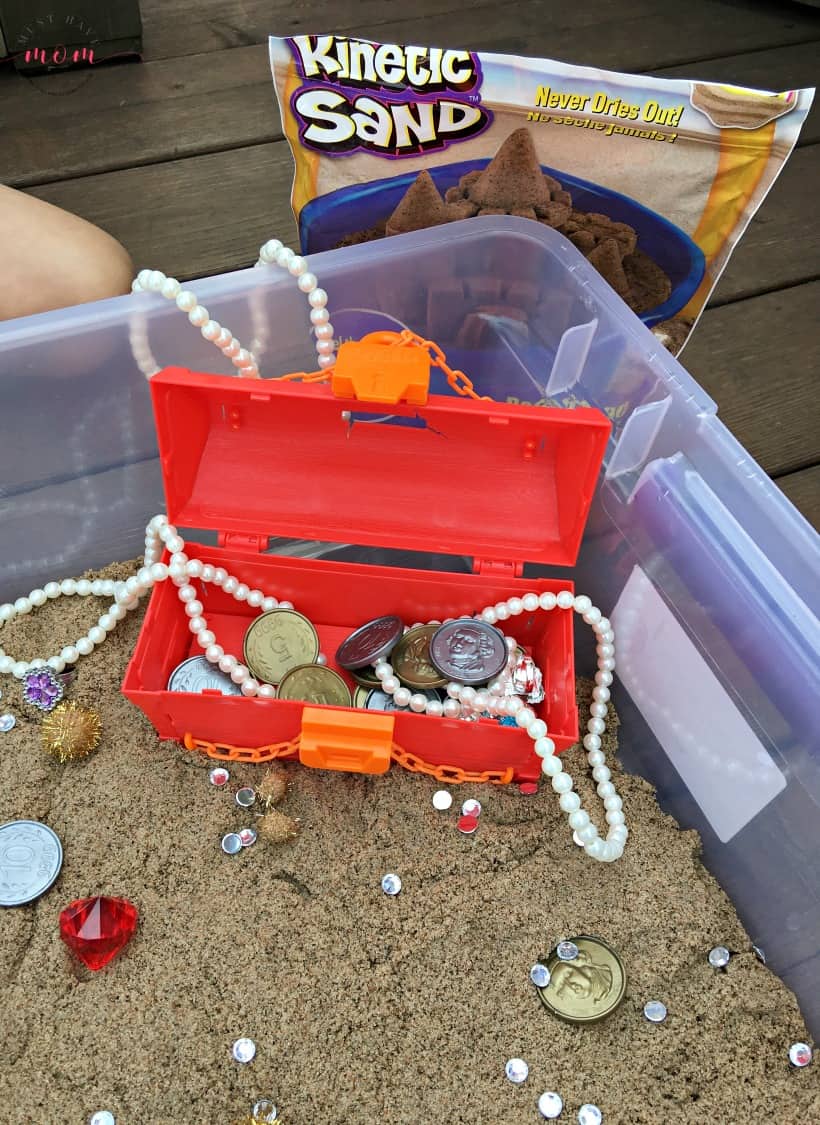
(638, 35)
(207, 214)
(781, 245)
(141, 115)
(78, 123)
(803, 489)
(755, 357)
(758, 359)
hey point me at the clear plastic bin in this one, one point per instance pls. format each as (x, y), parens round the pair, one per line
(709, 574)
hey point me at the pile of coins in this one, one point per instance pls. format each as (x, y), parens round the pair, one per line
(281, 648)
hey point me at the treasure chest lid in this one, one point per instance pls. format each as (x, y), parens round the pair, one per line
(259, 458)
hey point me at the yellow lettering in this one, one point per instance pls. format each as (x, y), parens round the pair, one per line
(670, 116)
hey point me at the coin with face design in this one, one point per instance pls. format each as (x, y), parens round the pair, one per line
(278, 641)
(587, 988)
(468, 651)
(411, 659)
(315, 683)
(369, 643)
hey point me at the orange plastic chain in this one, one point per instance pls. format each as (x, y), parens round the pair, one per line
(282, 751)
(452, 774)
(459, 382)
(225, 752)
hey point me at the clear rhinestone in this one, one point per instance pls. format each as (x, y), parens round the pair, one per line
(391, 884)
(471, 807)
(576, 839)
(442, 800)
(759, 954)
(247, 836)
(719, 957)
(540, 975)
(550, 1104)
(800, 1054)
(655, 1011)
(219, 776)
(231, 843)
(245, 797)
(566, 950)
(7, 723)
(516, 1070)
(243, 1050)
(589, 1114)
(102, 1117)
(265, 1111)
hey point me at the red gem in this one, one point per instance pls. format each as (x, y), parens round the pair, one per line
(528, 788)
(467, 824)
(96, 929)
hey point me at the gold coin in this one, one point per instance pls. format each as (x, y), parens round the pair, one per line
(360, 697)
(411, 659)
(365, 676)
(314, 683)
(587, 988)
(278, 641)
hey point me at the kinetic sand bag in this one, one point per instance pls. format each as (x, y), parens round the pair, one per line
(654, 180)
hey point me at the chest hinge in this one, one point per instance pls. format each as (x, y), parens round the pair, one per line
(245, 544)
(502, 568)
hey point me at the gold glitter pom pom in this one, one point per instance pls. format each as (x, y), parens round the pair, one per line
(277, 828)
(273, 786)
(71, 732)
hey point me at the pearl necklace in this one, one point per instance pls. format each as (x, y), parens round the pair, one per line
(273, 252)
(462, 701)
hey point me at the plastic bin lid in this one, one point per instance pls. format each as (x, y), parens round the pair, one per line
(259, 458)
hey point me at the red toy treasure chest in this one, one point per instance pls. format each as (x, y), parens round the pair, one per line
(253, 459)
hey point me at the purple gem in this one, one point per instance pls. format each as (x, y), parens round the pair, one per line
(43, 689)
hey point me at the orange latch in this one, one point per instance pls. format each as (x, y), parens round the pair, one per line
(374, 371)
(345, 740)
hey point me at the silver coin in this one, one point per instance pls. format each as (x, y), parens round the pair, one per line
(370, 642)
(196, 674)
(468, 651)
(31, 856)
(380, 701)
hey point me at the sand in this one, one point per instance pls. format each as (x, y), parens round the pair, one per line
(365, 1009)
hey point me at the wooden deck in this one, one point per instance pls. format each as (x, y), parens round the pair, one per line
(182, 158)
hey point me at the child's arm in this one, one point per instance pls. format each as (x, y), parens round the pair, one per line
(50, 258)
